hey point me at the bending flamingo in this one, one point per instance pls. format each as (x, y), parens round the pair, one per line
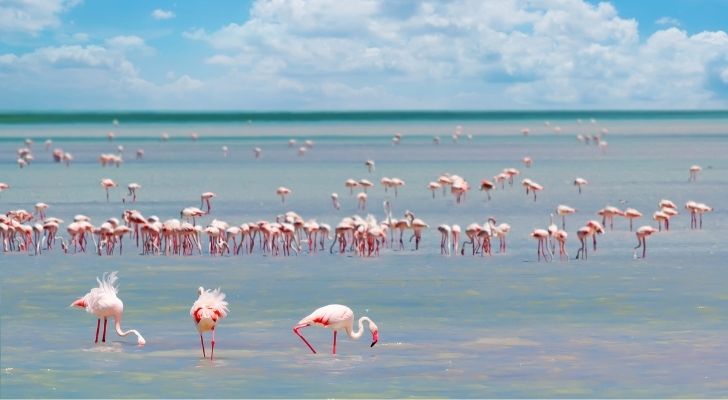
(103, 302)
(336, 317)
(206, 311)
(642, 234)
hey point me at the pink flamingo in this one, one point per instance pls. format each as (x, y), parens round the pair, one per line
(580, 182)
(694, 170)
(370, 165)
(336, 317)
(103, 302)
(205, 199)
(563, 211)
(642, 234)
(445, 231)
(541, 235)
(433, 186)
(133, 187)
(283, 192)
(209, 308)
(107, 184)
(487, 186)
(561, 236)
(631, 214)
(335, 201)
(351, 184)
(527, 161)
(40, 210)
(362, 197)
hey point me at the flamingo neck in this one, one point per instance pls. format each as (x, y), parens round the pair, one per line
(117, 326)
(356, 335)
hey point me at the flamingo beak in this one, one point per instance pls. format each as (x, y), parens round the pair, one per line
(375, 338)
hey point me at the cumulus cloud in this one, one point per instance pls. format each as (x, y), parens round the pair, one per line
(515, 53)
(162, 14)
(32, 16)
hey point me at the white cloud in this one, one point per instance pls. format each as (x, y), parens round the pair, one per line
(516, 53)
(162, 14)
(32, 16)
(668, 21)
(80, 37)
(125, 41)
(88, 77)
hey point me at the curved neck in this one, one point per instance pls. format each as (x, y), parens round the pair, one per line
(360, 331)
(117, 326)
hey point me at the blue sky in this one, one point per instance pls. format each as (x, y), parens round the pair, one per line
(363, 54)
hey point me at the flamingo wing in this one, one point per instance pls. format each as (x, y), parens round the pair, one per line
(333, 314)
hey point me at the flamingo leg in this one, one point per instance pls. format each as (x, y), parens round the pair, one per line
(202, 344)
(98, 324)
(212, 352)
(103, 339)
(334, 342)
(296, 331)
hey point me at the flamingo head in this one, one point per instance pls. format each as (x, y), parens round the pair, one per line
(80, 303)
(375, 333)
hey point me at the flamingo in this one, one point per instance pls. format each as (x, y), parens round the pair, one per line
(487, 186)
(103, 302)
(205, 199)
(336, 317)
(362, 197)
(642, 234)
(563, 211)
(433, 186)
(257, 152)
(365, 184)
(694, 170)
(283, 192)
(335, 200)
(631, 214)
(580, 182)
(209, 308)
(541, 235)
(370, 165)
(445, 231)
(133, 187)
(527, 161)
(40, 209)
(351, 184)
(107, 184)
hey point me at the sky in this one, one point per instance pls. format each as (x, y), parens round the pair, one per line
(363, 54)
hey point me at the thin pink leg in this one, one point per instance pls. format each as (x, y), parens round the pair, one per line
(98, 324)
(103, 339)
(296, 331)
(212, 352)
(202, 343)
(334, 341)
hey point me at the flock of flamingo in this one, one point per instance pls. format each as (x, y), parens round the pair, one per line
(209, 308)
(23, 231)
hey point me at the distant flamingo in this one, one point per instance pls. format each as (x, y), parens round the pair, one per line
(541, 235)
(336, 317)
(694, 170)
(445, 231)
(351, 184)
(561, 236)
(205, 200)
(362, 197)
(631, 214)
(433, 186)
(365, 184)
(107, 184)
(487, 186)
(209, 308)
(642, 234)
(335, 200)
(370, 165)
(608, 214)
(283, 192)
(40, 209)
(527, 161)
(257, 151)
(563, 211)
(103, 302)
(580, 182)
(133, 187)
(397, 183)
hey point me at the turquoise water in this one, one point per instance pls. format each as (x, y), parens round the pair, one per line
(499, 326)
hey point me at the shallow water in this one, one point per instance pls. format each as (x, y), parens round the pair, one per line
(499, 326)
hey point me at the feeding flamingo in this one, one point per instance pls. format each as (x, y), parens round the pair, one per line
(205, 199)
(209, 308)
(107, 184)
(336, 317)
(642, 234)
(103, 302)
